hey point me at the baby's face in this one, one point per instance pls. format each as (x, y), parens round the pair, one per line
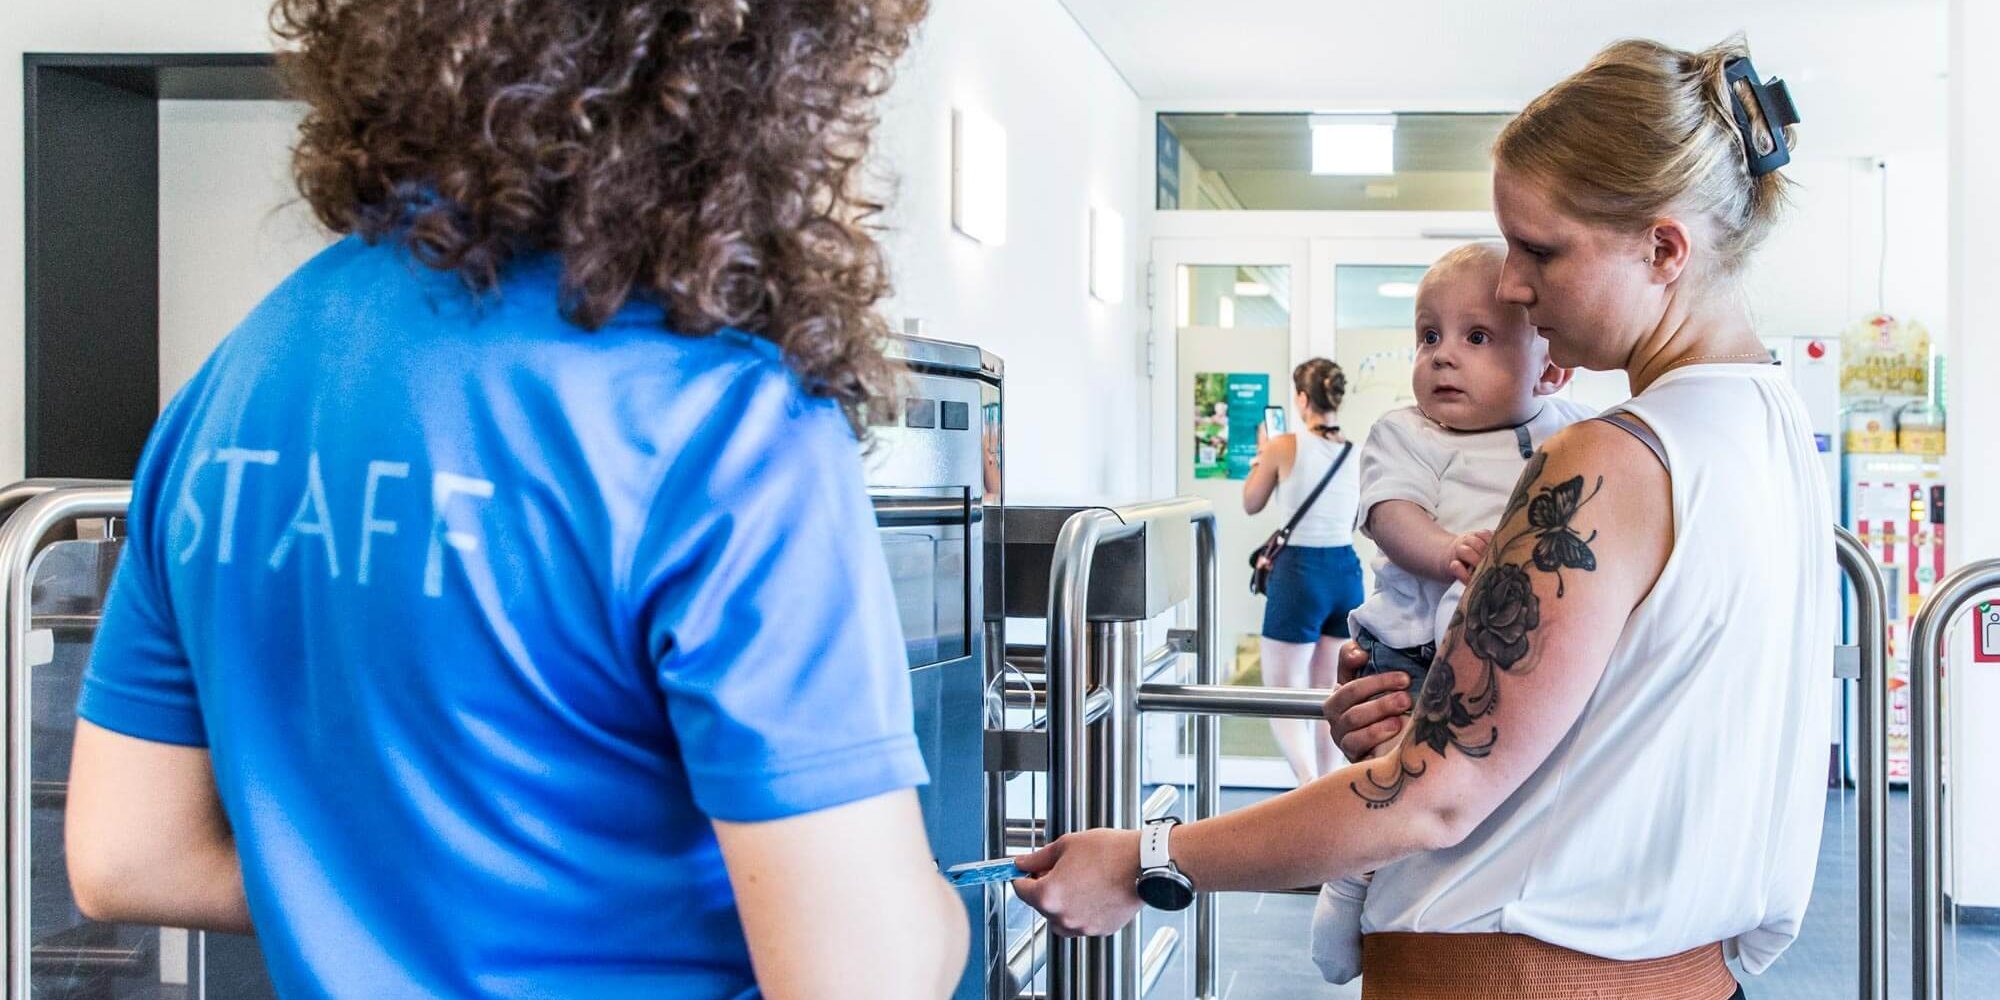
(1479, 361)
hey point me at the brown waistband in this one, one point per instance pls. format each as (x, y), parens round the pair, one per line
(1516, 967)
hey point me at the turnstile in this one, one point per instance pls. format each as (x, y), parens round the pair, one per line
(1096, 575)
(59, 547)
(1103, 574)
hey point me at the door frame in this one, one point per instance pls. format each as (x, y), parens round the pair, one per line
(1312, 245)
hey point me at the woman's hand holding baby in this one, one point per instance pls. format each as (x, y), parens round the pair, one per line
(1365, 712)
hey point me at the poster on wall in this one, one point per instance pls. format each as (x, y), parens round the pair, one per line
(1248, 395)
(1211, 425)
(1228, 406)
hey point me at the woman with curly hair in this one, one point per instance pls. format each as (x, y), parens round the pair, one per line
(502, 613)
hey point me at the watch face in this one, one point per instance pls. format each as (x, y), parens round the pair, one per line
(1166, 890)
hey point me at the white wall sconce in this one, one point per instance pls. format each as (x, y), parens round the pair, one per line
(978, 177)
(1353, 145)
(1107, 255)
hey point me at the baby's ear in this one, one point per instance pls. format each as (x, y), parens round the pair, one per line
(1553, 379)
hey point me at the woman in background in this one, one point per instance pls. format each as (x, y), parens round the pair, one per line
(1316, 578)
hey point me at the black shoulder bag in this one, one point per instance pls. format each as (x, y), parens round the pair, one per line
(1266, 554)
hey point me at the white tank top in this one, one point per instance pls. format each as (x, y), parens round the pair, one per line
(1329, 522)
(1684, 807)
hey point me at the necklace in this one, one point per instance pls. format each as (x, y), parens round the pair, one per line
(1759, 356)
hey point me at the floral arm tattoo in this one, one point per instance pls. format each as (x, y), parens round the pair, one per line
(1495, 623)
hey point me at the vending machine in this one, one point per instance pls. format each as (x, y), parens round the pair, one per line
(1896, 505)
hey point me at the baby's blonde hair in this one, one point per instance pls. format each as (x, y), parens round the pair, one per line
(1645, 130)
(1484, 253)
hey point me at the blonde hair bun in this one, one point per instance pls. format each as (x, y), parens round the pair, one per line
(1647, 130)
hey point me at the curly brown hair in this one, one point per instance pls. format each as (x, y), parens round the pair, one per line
(705, 155)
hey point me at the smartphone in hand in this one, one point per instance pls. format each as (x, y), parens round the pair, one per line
(1274, 421)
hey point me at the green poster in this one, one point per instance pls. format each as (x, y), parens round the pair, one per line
(1227, 409)
(1248, 395)
(1211, 425)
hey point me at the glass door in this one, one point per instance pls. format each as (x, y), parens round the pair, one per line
(1228, 328)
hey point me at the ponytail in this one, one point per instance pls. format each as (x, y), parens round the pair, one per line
(1323, 383)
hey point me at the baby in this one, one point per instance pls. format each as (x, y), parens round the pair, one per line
(1435, 478)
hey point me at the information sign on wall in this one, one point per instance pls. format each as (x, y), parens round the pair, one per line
(1228, 406)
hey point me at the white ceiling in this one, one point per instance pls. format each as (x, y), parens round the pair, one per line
(1868, 75)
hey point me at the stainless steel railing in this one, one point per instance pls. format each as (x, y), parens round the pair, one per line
(39, 507)
(1871, 641)
(1090, 780)
(1106, 761)
(1095, 687)
(1927, 771)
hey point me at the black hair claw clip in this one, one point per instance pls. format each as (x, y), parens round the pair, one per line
(1767, 152)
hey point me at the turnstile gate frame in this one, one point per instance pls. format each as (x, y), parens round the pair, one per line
(1094, 781)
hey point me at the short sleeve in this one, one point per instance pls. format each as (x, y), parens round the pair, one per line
(769, 615)
(139, 682)
(1395, 465)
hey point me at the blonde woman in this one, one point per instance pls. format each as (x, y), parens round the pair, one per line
(1613, 775)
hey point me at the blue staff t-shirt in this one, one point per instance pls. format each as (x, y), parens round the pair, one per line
(485, 617)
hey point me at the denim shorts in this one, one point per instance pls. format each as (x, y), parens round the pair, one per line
(1384, 658)
(1310, 592)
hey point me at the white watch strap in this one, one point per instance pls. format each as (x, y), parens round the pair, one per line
(1153, 851)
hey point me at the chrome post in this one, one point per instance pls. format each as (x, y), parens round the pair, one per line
(1927, 771)
(1113, 962)
(1207, 742)
(1083, 771)
(1026, 956)
(999, 983)
(1068, 687)
(1213, 701)
(1158, 951)
(15, 494)
(1871, 637)
(19, 536)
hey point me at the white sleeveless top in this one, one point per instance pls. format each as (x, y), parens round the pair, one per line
(1329, 523)
(1684, 807)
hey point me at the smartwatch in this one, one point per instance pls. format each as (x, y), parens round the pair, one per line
(1161, 884)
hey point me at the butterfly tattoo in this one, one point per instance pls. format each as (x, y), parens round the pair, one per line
(1557, 545)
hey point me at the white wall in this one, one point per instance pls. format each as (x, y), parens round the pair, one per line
(82, 26)
(1819, 271)
(231, 226)
(1076, 400)
(1972, 463)
(1823, 267)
